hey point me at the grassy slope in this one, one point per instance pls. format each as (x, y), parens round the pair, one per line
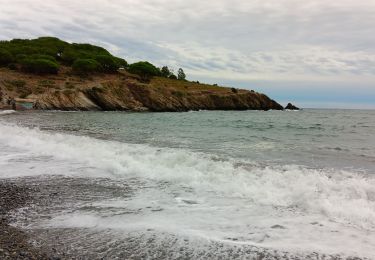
(12, 83)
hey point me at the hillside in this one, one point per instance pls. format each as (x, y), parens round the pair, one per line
(52, 74)
(124, 91)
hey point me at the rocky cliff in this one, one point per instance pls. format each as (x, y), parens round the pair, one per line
(124, 91)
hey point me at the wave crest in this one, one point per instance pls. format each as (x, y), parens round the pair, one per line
(344, 196)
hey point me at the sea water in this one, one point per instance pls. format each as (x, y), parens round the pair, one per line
(205, 184)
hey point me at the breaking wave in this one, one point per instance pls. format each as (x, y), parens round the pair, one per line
(344, 195)
(285, 194)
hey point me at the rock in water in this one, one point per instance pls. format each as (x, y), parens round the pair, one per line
(290, 106)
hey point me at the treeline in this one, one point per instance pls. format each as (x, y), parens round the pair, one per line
(45, 55)
(146, 70)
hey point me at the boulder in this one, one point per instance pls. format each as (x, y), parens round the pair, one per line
(290, 106)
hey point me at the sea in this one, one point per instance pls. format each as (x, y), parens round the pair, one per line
(196, 185)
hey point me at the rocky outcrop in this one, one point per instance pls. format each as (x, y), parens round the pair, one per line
(145, 98)
(290, 106)
(127, 93)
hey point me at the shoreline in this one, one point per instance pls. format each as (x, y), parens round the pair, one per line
(14, 242)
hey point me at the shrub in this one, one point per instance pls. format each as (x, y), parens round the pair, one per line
(86, 66)
(16, 83)
(108, 63)
(172, 76)
(43, 56)
(5, 57)
(20, 57)
(144, 69)
(12, 66)
(121, 62)
(234, 90)
(69, 85)
(39, 90)
(69, 56)
(25, 93)
(22, 51)
(47, 83)
(39, 66)
(19, 86)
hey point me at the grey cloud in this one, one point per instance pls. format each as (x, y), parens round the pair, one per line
(258, 38)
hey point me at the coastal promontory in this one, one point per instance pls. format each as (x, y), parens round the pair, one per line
(50, 74)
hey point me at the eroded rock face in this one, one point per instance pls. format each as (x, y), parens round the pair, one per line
(290, 106)
(142, 97)
(126, 92)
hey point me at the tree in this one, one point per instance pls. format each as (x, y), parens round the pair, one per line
(86, 66)
(69, 55)
(121, 62)
(56, 51)
(165, 72)
(43, 57)
(5, 57)
(39, 66)
(144, 69)
(181, 74)
(107, 62)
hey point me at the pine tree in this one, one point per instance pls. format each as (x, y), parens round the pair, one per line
(181, 74)
(165, 72)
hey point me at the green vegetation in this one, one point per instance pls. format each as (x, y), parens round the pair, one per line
(5, 57)
(46, 55)
(19, 86)
(144, 69)
(47, 83)
(167, 73)
(107, 63)
(16, 83)
(86, 66)
(39, 66)
(181, 74)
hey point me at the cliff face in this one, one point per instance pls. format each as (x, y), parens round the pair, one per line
(125, 92)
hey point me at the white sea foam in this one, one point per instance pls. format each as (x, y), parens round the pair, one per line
(287, 207)
(6, 112)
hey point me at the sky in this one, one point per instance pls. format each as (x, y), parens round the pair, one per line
(314, 53)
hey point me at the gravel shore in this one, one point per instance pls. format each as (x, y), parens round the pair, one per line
(14, 243)
(43, 196)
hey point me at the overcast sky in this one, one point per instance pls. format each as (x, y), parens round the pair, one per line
(315, 53)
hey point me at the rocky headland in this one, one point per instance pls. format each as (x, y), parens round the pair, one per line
(47, 73)
(125, 92)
